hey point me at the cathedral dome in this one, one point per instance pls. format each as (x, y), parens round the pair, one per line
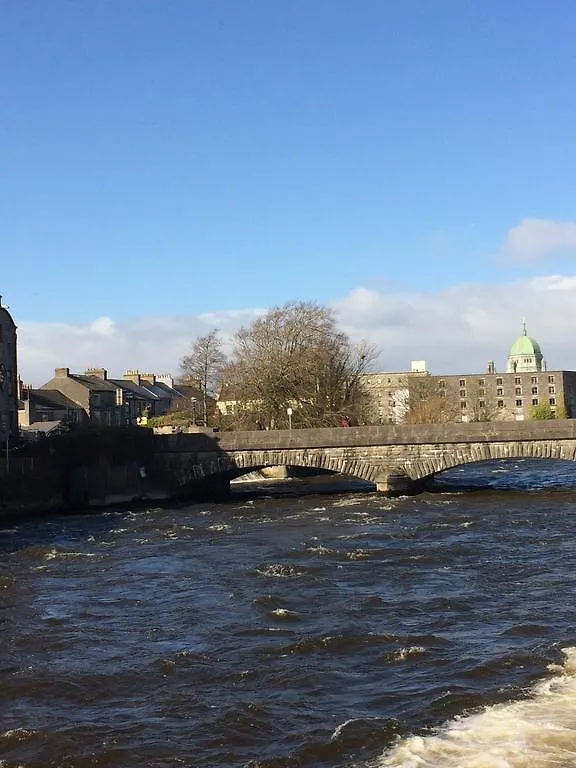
(525, 345)
(525, 354)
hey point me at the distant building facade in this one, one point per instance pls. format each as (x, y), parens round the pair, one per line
(110, 402)
(92, 391)
(38, 407)
(388, 393)
(8, 376)
(491, 396)
(509, 396)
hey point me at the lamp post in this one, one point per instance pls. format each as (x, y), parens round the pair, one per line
(289, 412)
(194, 410)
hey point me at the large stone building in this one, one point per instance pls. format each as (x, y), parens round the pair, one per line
(513, 395)
(8, 376)
(388, 393)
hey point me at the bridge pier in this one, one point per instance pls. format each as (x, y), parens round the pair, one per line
(399, 484)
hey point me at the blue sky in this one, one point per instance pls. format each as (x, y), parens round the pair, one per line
(173, 159)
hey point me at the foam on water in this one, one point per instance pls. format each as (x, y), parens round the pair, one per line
(536, 732)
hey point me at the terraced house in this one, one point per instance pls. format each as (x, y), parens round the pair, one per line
(8, 376)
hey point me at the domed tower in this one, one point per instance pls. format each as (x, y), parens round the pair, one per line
(525, 355)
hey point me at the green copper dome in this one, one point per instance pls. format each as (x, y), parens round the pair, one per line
(525, 354)
(525, 345)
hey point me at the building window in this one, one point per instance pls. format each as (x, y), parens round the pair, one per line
(517, 380)
(519, 403)
(550, 379)
(534, 390)
(534, 380)
(463, 405)
(552, 401)
(442, 393)
(498, 381)
(441, 384)
(499, 391)
(462, 382)
(518, 390)
(481, 382)
(500, 403)
(552, 390)
(462, 393)
(482, 403)
(481, 392)
(534, 401)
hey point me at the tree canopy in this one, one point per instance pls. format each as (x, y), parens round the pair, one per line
(294, 357)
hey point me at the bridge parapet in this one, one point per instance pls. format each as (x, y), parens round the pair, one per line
(387, 434)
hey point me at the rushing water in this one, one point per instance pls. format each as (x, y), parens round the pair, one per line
(343, 629)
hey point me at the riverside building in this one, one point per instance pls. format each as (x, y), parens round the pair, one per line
(512, 395)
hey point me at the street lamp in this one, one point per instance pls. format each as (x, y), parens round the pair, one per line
(289, 412)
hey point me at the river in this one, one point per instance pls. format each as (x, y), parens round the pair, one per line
(298, 630)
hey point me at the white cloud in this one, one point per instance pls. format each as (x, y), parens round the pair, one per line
(539, 239)
(455, 330)
(147, 343)
(103, 326)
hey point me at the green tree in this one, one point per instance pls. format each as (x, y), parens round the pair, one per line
(561, 412)
(542, 412)
(203, 367)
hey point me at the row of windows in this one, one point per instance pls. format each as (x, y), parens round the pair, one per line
(517, 391)
(499, 381)
(500, 403)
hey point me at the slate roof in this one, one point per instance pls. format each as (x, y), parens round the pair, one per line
(42, 426)
(137, 390)
(93, 383)
(51, 398)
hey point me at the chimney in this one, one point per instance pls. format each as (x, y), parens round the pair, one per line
(61, 373)
(166, 378)
(148, 377)
(97, 373)
(134, 376)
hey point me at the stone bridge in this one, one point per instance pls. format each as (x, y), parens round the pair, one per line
(396, 458)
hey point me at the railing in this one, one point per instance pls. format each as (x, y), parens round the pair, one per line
(16, 466)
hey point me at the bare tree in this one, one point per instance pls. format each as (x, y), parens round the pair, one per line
(483, 408)
(427, 403)
(203, 366)
(295, 358)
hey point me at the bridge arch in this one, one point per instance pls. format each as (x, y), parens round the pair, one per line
(241, 462)
(440, 459)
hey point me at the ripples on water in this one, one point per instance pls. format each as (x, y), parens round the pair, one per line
(318, 630)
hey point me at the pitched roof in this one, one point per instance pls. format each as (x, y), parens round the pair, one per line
(42, 426)
(161, 390)
(93, 383)
(137, 390)
(51, 398)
